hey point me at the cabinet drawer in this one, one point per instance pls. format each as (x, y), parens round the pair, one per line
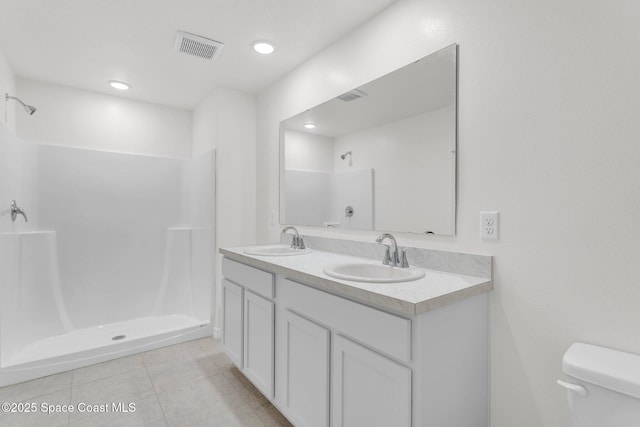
(385, 332)
(255, 280)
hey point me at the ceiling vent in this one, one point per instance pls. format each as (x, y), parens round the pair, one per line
(351, 95)
(201, 47)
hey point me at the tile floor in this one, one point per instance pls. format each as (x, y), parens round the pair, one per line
(188, 384)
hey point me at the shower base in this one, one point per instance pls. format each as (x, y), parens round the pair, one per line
(87, 346)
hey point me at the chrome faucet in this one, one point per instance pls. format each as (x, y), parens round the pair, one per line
(391, 255)
(15, 211)
(297, 242)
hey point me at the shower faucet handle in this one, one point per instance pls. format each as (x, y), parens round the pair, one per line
(15, 211)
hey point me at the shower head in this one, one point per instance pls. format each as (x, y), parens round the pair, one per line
(28, 108)
(344, 156)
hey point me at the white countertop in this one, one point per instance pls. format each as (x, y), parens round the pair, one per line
(435, 289)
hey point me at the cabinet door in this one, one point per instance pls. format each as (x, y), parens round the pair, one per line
(232, 321)
(307, 371)
(258, 342)
(368, 389)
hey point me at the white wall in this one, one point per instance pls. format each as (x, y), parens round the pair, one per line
(308, 199)
(9, 148)
(309, 165)
(78, 118)
(305, 151)
(7, 85)
(355, 189)
(413, 159)
(226, 121)
(17, 161)
(18, 166)
(548, 135)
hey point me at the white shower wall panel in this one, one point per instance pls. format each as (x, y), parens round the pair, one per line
(7, 175)
(111, 212)
(31, 308)
(308, 197)
(117, 246)
(353, 189)
(9, 273)
(202, 271)
(321, 198)
(201, 191)
(17, 180)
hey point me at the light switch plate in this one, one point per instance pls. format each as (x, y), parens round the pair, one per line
(489, 225)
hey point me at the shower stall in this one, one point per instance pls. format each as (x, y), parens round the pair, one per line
(117, 256)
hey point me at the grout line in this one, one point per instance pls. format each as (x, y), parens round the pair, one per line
(155, 392)
(108, 376)
(164, 416)
(146, 368)
(39, 395)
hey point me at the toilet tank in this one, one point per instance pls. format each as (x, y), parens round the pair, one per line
(603, 386)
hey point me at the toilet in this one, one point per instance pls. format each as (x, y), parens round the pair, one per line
(603, 386)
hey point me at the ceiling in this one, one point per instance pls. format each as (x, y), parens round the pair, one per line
(417, 88)
(84, 43)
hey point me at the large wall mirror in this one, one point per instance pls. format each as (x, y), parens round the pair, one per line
(379, 157)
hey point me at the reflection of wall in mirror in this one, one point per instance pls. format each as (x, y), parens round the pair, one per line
(308, 199)
(317, 196)
(320, 198)
(355, 189)
(305, 151)
(309, 163)
(414, 162)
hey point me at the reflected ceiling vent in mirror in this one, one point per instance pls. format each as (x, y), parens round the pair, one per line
(199, 46)
(351, 95)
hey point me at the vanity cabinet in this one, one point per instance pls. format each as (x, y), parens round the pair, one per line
(368, 388)
(248, 322)
(364, 385)
(306, 359)
(328, 361)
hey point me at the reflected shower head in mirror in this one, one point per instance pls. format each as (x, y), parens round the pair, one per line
(344, 156)
(30, 109)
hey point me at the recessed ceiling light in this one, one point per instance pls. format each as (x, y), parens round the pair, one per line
(119, 85)
(310, 125)
(263, 47)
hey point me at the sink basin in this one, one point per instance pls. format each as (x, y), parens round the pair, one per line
(275, 250)
(373, 273)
